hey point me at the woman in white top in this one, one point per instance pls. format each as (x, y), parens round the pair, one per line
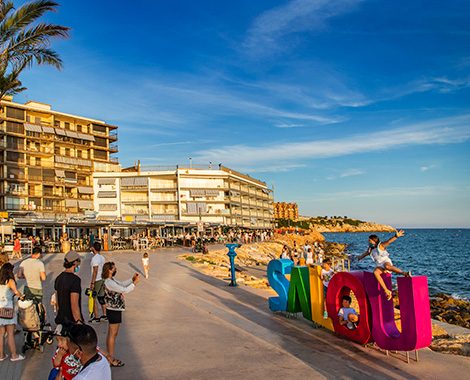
(7, 325)
(379, 254)
(115, 305)
(309, 257)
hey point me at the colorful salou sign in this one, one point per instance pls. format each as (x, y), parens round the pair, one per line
(304, 293)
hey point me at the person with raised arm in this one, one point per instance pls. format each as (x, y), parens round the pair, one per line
(379, 254)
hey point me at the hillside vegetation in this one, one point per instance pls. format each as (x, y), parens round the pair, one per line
(335, 224)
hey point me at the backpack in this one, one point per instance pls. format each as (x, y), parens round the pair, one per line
(28, 316)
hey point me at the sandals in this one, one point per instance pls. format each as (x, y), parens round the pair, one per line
(5, 357)
(116, 363)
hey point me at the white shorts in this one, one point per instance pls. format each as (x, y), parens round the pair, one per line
(382, 263)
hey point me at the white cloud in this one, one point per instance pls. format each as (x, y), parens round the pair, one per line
(268, 29)
(351, 173)
(272, 168)
(417, 191)
(425, 168)
(441, 84)
(345, 174)
(438, 131)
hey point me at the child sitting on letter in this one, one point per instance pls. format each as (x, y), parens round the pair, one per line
(326, 274)
(347, 315)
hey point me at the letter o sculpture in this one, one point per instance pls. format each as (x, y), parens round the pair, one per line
(342, 284)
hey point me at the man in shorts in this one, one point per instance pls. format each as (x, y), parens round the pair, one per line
(97, 283)
(33, 271)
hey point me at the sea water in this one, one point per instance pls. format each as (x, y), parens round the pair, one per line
(443, 255)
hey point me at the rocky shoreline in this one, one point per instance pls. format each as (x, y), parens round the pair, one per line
(447, 309)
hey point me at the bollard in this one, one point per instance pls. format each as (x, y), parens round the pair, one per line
(231, 254)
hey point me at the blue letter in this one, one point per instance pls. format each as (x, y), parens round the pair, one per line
(276, 271)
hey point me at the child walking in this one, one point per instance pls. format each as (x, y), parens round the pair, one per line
(145, 264)
(378, 252)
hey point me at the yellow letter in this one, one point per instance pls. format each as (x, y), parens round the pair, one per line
(317, 298)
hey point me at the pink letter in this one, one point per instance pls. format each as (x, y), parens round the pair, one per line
(416, 331)
(341, 284)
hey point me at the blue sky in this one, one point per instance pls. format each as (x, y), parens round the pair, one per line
(348, 107)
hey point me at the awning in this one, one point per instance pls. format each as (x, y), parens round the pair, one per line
(85, 205)
(82, 162)
(106, 181)
(32, 127)
(72, 134)
(59, 173)
(134, 181)
(107, 207)
(212, 193)
(72, 161)
(197, 192)
(163, 217)
(60, 132)
(141, 181)
(85, 190)
(70, 203)
(48, 130)
(85, 137)
(107, 194)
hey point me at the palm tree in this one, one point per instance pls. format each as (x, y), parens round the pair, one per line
(24, 41)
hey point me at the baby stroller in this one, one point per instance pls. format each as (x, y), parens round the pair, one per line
(32, 318)
(200, 246)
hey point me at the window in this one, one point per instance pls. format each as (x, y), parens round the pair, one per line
(101, 155)
(15, 113)
(67, 125)
(57, 123)
(15, 127)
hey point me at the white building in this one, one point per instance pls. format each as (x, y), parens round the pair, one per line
(220, 196)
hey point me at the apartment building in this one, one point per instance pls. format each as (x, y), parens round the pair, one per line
(212, 195)
(283, 210)
(47, 159)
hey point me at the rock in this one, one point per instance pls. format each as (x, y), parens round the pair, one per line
(458, 345)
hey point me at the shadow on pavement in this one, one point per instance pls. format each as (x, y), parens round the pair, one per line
(321, 350)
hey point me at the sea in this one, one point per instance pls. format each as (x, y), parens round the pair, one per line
(443, 255)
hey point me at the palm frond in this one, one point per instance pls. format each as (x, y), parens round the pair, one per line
(5, 8)
(36, 36)
(41, 55)
(24, 41)
(29, 12)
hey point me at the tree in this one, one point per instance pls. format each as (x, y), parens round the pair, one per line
(24, 41)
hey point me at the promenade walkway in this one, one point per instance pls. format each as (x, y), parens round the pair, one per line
(181, 324)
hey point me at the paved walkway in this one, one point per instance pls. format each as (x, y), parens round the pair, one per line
(181, 324)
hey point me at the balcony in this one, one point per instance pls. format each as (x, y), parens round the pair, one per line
(41, 150)
(113, 134)
(113, 147)
(135, 201)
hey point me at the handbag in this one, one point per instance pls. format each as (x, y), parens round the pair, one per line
(6, 312)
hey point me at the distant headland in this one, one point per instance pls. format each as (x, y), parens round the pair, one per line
(335, 224)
